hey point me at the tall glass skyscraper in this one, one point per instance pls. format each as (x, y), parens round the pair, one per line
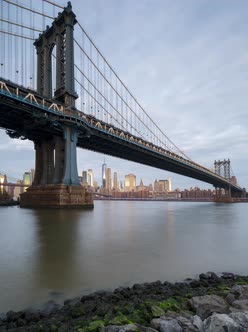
(104, 166)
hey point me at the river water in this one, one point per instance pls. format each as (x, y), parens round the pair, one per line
(58, 254)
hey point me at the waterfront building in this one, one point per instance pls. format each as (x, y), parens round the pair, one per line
(130, 182)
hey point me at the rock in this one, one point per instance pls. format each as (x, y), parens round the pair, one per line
(157, 311)
(240, 292)
(186, 324)
(195, 284)
(170, 325)
(72, 302)
(197, 322)
(121, 328)
(208, 304)
(241, 318)
(49, 308)
(228, 275)
(155, 323)
(13, 316)
(240, 304)
(209, 276)
(145, 328)
(221, 323)
(230, 298)
(32, 316)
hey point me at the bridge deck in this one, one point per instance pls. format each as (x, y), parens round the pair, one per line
(26, 114)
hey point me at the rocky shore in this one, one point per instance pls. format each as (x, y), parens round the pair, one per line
(209, 304)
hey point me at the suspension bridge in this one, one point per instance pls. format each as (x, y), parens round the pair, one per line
(59, 91)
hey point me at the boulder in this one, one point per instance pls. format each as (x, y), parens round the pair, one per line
(197, 322)
(240, 292)
(240, 304)
(186, 324)
(155, 323)
(121, 328)
(170, 325)
(221, 323)
(208, 304)
(145, 328)
(241, 318)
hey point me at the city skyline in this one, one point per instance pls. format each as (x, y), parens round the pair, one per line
(195, 88)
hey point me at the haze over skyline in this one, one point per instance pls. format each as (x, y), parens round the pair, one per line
(186, 63)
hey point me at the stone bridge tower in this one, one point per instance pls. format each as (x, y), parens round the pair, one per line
(56, 182)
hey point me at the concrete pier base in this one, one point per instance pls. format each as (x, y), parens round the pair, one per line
(223, 199)
(57, 196)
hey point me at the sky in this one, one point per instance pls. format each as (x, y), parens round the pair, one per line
(186, 62)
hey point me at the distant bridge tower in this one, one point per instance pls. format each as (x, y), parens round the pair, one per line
(223, 168)
(56, 181)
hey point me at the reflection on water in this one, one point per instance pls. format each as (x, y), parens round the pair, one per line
(63, 253)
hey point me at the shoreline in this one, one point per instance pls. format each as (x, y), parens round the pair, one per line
(125, 306)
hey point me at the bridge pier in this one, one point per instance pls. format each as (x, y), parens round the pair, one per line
(223, 195)
(56, 182)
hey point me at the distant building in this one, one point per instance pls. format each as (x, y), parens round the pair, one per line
(18, 190)
(141, 186)
(3, 180)
(108, 179)
(104, 166)
(130, 182)
(156, 186)
(84, 178)
(32, 171)
(27, 180)
(115, 182)
(90, 178)
(162, 185)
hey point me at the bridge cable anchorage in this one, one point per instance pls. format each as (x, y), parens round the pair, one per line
(147, 115)
(29, 9)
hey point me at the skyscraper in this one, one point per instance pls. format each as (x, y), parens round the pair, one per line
(115, 181)
(108, 179)
(104, 166)
(90, 178)
(84, 177)
(130, 182)
(169, 184)
(27, 180)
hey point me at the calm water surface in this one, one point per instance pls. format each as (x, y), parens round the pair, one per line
(58, 254)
